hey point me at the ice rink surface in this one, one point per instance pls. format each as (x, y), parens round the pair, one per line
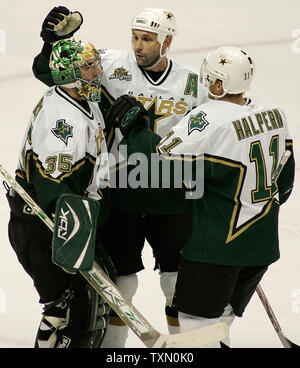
(268, 30)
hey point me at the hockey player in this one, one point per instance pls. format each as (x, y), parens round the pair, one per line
(235, 224)
(168, 91)
(62, 151)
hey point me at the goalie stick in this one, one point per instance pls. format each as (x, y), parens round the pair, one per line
(125, 309)
(284, 340)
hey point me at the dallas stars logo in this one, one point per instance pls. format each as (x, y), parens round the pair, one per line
(224, 61)
(63, 131)
(85, 91)
(197, 122)
(156, 114)
(169, 15)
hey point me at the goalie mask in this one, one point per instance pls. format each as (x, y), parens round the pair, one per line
(76, 64)
(233, 66)
(155, 20)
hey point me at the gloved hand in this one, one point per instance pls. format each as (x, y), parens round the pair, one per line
(127, 112)
(60, 23)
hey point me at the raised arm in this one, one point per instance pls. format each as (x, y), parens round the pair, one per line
(60, 23)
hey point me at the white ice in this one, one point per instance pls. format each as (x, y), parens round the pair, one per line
(269, 30)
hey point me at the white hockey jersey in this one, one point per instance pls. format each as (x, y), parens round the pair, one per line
(236, 219)
(63, 148)
(167, 100)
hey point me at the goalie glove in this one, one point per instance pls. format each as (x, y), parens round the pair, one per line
(60, 23)
(127, 112)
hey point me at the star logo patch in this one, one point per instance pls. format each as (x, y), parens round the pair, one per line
(63, 131)
(197, 122)
(224, 61)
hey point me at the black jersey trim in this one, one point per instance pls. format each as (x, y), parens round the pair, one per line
(109, 131)
(164, 77)
(68, 98)
(107, 95)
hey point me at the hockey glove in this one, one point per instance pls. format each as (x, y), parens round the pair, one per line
(127, 112)
(60, 23)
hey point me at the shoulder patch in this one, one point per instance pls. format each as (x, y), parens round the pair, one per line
(121, 74)
(197, 122)
(62, 130)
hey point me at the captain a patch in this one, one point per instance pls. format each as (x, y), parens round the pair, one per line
(63, 131)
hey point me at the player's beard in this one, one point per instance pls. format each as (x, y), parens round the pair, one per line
(148, 61)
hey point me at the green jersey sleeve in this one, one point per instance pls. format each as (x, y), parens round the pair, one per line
(286, 179)
(40, 66)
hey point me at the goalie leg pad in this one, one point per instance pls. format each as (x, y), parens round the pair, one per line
(56, 317)
(98, 317)
(77, 320)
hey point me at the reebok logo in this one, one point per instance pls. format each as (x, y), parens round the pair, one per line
(63, 225)
(130, 114)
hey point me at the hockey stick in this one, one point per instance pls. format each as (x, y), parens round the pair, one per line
(285, 341)
(285, 156)
(127, 312)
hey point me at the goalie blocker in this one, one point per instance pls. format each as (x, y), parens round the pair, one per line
(74, 234)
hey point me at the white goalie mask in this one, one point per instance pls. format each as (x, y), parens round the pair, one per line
(233, 66)
(156, 20)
